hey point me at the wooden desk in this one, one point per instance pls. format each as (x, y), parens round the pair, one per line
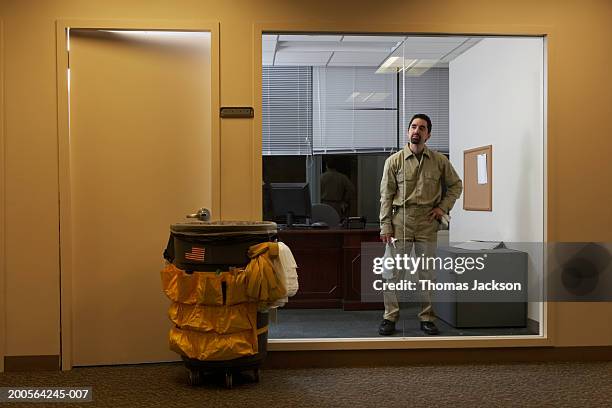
(329, 262)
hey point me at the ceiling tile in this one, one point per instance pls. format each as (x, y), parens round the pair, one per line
(370, 59)
(375, 38)
(309, 37)
(359, 50)
(267, 59)
(302, 58)
(305, 46)
(268, 46)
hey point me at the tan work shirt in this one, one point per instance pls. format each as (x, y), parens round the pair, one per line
(335, 186)
(408, 182)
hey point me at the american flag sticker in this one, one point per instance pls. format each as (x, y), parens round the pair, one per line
(196, 254)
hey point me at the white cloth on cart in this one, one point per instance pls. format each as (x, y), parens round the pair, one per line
(289, 267)
(285, 268)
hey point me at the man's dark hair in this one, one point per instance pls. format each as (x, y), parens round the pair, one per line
(424, 117)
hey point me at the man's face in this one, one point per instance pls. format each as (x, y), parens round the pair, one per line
(417, 132)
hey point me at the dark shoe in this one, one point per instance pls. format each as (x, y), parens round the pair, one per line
(429, 328)
(387, 328)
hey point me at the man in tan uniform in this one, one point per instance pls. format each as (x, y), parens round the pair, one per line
(411, 205)
(336, 189)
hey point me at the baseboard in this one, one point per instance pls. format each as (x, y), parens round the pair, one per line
(31, 363)
(373, 358)
(370, 358)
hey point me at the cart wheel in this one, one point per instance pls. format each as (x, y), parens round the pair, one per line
(194, 377)
(228, 380)
(256, 374)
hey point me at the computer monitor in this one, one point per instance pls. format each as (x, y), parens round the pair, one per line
(290, 202)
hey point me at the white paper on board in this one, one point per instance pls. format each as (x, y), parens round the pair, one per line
(482, 168)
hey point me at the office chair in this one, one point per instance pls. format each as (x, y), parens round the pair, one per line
(325, 213)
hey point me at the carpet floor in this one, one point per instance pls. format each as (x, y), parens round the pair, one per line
(478, 385)
(338, 323)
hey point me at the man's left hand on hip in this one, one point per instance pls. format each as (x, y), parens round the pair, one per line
(436, 214)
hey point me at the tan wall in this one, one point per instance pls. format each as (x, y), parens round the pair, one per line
(580, 101)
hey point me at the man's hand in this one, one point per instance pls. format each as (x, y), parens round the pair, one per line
(386, 238)
(436, 214)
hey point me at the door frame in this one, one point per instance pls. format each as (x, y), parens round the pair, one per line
(65, 214)
(2, 208)
(548, 312)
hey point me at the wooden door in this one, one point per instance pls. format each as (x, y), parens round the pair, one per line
(140, 159)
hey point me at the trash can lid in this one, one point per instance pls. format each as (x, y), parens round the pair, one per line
(217, 227)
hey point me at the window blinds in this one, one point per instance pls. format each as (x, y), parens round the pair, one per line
(286, 111)
(426, 94)
(320, 110)
(354, 110)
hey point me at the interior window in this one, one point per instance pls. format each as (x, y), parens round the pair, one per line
(335, 109)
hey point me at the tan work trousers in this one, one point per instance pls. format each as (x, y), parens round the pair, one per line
(413, 230)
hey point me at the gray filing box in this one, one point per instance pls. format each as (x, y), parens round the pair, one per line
(465, 309)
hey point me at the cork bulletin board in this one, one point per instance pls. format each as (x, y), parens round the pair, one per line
(478, 179)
